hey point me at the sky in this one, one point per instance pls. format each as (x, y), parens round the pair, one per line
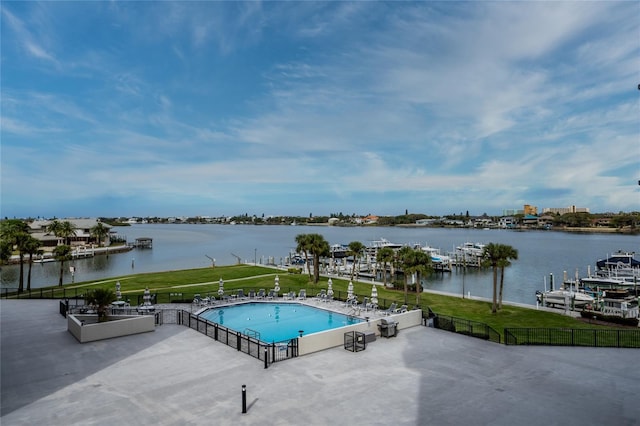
(311, 108)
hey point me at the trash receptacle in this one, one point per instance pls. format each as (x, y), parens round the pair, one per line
(388, 327)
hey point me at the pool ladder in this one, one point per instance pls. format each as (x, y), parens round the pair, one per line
(252, 333)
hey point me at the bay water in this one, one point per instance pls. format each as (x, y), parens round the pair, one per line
(185, 246)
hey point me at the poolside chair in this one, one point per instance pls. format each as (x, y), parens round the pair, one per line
(240, 294)
(322, 295)
(402, 309)
(290, 296)
(302, 295)
(392, 309)
(272, 294)
(351, 301)
(261, 294)
(252, 294)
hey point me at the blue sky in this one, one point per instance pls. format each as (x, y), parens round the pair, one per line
(278, 108)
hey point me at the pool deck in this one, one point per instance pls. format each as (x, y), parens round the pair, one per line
(177, 376)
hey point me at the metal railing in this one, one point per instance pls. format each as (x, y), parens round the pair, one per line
(604, 338)
(267, 352)
(467, 327)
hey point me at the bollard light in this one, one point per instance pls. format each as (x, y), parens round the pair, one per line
(244, 399)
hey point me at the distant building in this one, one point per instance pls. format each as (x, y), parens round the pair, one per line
(530, 210)
(39, 230)
(507, 222)
(565, 210)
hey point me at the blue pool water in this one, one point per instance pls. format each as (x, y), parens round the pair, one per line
(277, 321)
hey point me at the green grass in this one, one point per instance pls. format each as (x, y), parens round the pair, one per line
(204, 281)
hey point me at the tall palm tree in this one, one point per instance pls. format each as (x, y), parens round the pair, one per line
(419, 263)
(318, 247)
(16, 233)
(507, 253)
(31, 247)
(62, 254)
(493, 256)
(355, 250)
(384, 256)
(401, 259)
(99, 231)
(303, 245)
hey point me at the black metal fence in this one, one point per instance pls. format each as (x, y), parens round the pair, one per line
(467, 327)
(267, 352)
(609, 338)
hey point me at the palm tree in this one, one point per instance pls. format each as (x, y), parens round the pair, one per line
(63, 229)
(31, 247)
(99, 231)
(401, 259)
(303, 245)
(493, 256)
(318, 247)
(506, 253)
(355, 249)
(62, 254)
(384, 256)
(101, 298)
(16, 233)
(419, 263)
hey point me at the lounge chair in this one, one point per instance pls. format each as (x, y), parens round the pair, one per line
(290, 296)
(272, 294)
(322, 295)
(392, 309)
(351, 301)
(240, 294)
(252, 294)
(402, 309)
(261, 294)
(302, 295)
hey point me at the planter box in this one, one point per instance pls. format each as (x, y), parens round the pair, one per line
(86, 329)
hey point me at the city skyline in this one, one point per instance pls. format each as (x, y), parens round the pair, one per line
(124, 109)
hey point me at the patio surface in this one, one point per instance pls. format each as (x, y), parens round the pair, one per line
(177, 376)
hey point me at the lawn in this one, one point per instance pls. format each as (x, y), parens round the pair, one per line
(182, 285)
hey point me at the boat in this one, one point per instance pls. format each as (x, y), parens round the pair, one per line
(439, 261)
(469, 254)
(564, 298)
(619, 260)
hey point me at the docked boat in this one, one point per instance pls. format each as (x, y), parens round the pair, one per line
(620, 260)
(469, 254)
(564, 298)
(439, 261)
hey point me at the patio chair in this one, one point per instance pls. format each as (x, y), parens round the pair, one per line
(322, 295)
(290, 296)
(240, 294)
(351, 301)
(272, 294)
(302, 295)
(252, 294)
(261, 294)
(391, 310)
(402, 309)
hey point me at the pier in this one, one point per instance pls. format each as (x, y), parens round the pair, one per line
(142, 242)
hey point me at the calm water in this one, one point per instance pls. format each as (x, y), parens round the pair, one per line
(187, 246)
(277, 321)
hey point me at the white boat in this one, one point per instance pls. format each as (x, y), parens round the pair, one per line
(564, 298)
(440, 261)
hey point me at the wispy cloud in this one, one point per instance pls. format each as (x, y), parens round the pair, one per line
(486, 106)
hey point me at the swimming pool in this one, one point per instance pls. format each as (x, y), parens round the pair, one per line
(276, 322)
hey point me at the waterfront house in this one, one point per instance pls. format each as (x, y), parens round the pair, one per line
(39, 230)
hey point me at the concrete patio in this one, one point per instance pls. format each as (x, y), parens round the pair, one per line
(177, 376)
